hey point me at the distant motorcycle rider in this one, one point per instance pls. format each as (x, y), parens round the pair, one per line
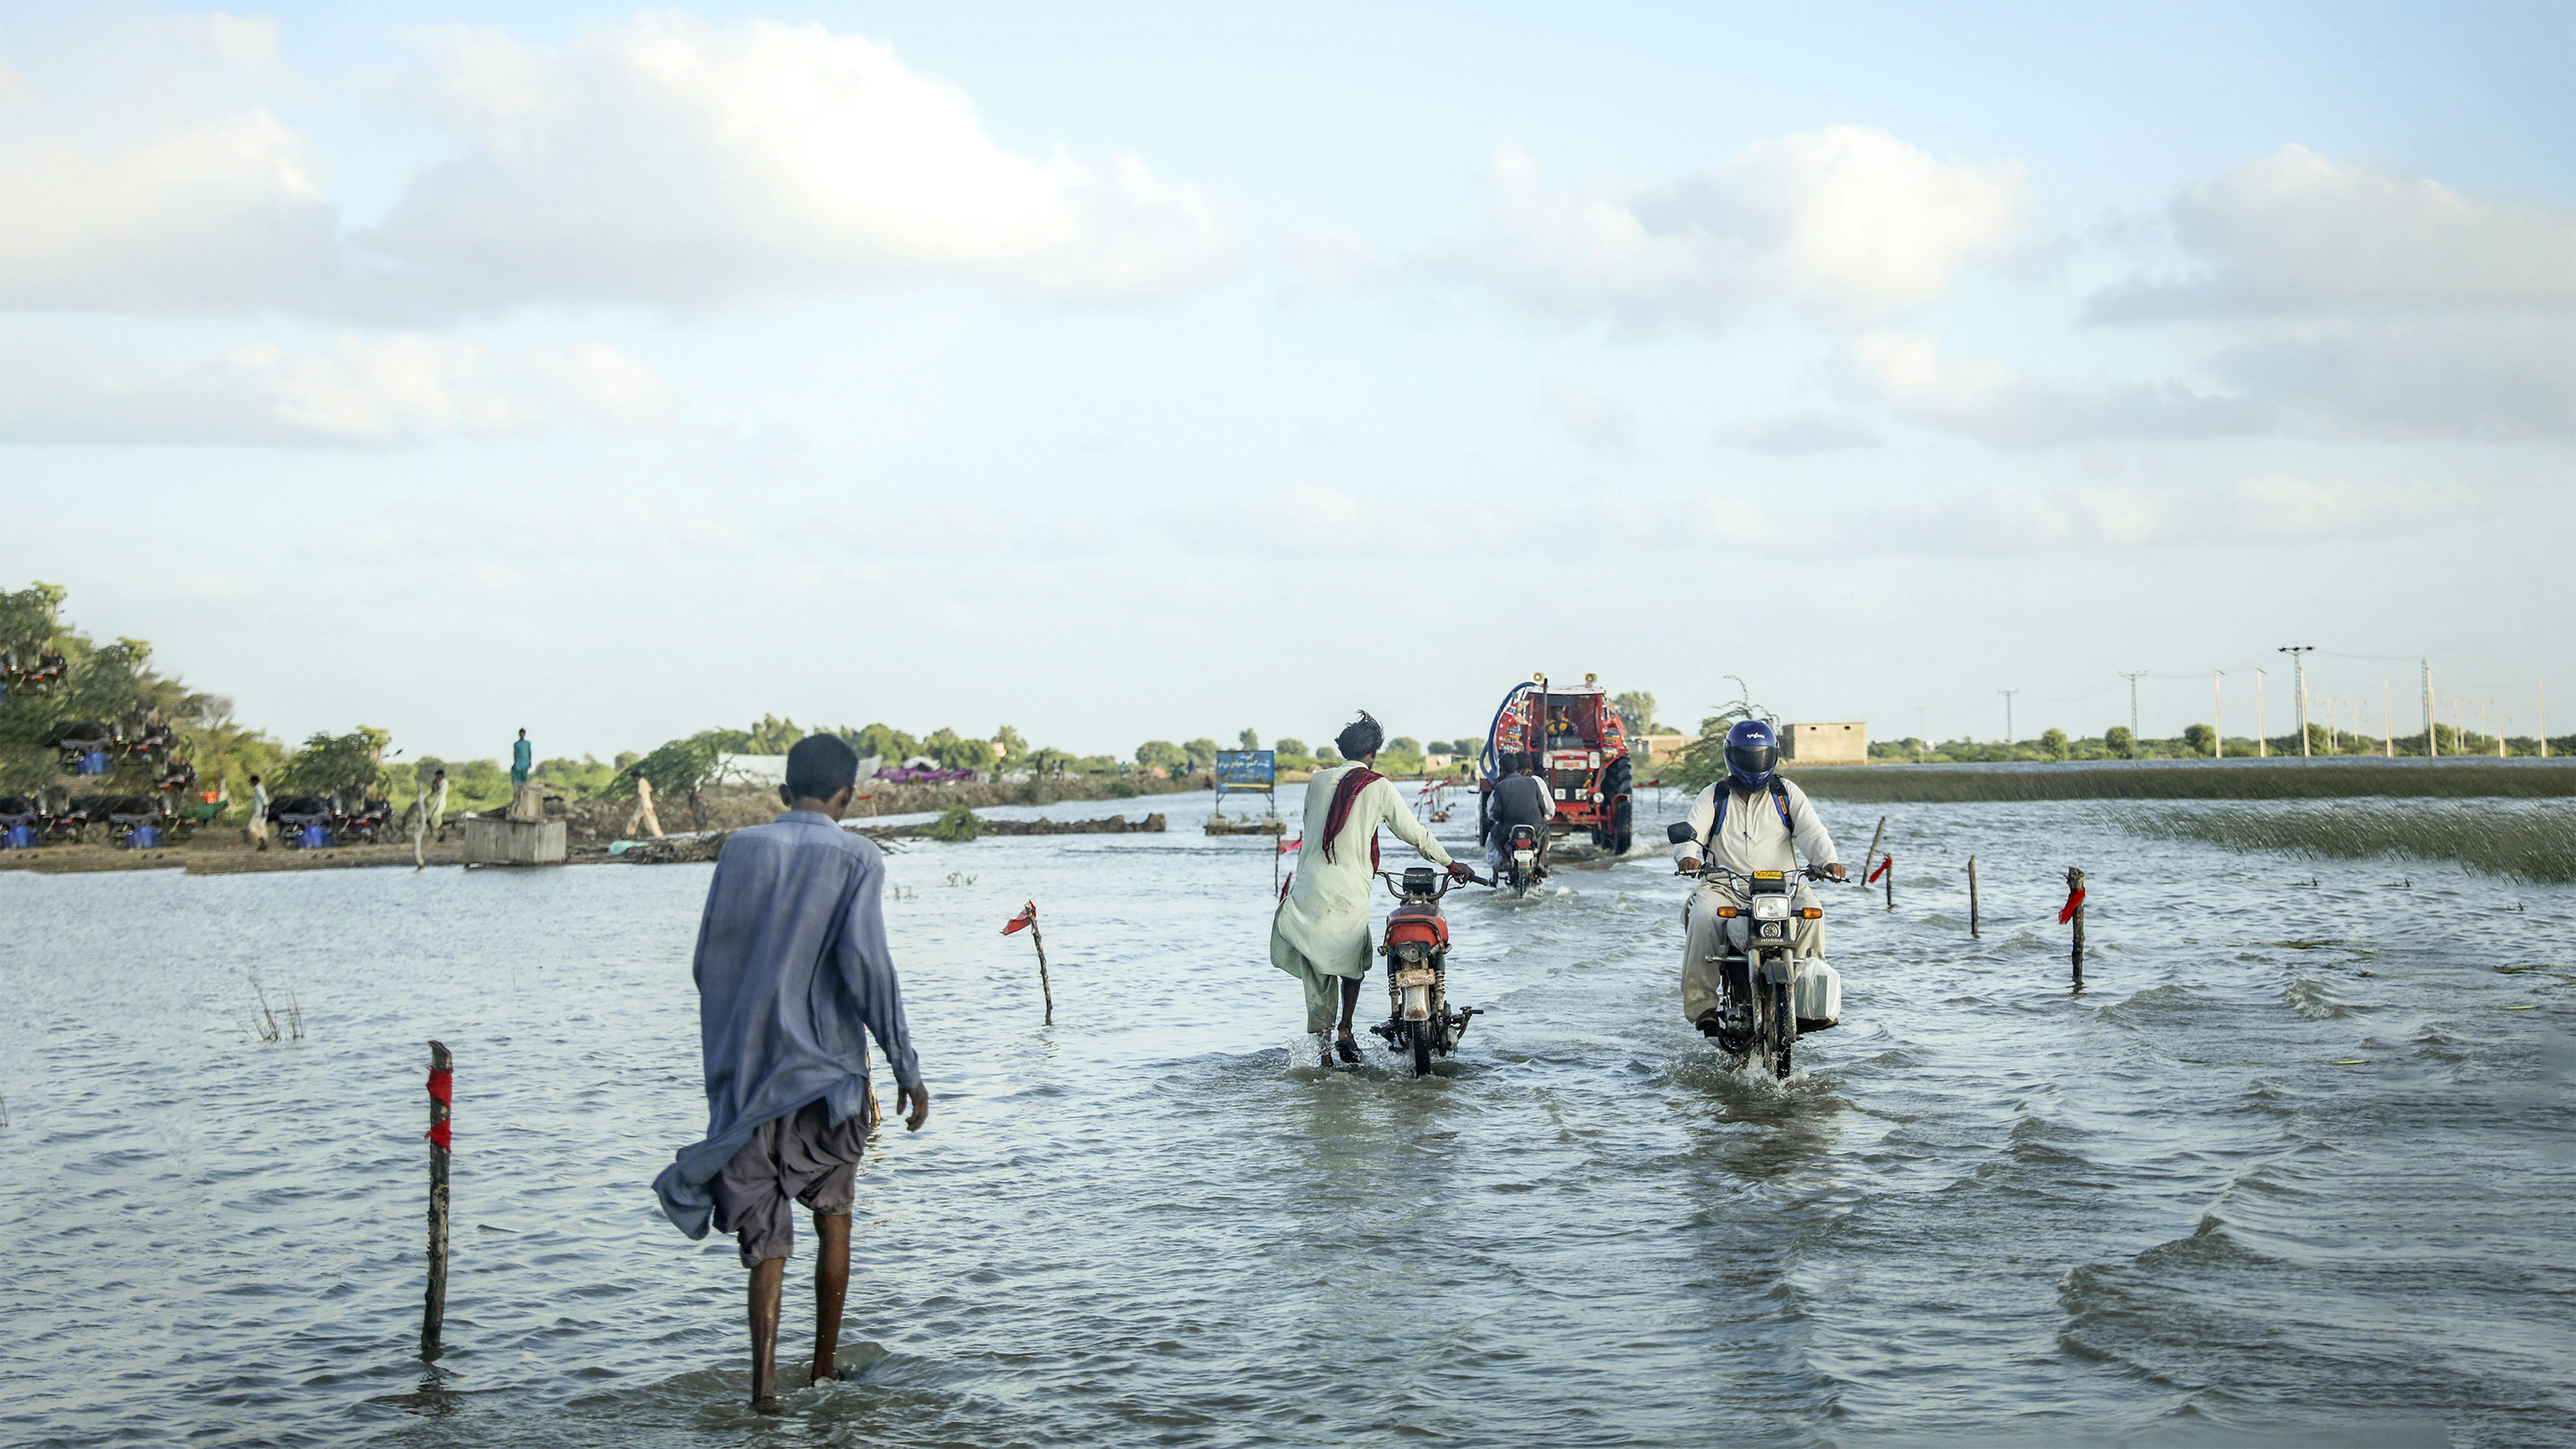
(1520, 798)
(1751, 820)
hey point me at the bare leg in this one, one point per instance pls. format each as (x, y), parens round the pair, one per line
(831, 1287)
(1350, 1003)
(767, 1281)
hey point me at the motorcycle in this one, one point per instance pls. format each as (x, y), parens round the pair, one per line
(1521, 868)
(1767, 995)
(1419, 1021)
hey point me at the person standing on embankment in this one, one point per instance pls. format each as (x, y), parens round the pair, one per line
(522, 759)
(792, 973)
(1320, 933)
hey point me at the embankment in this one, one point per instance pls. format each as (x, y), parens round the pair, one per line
(2527, 779)
(2534, 842)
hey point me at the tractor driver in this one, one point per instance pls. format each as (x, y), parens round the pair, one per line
(1751, 820)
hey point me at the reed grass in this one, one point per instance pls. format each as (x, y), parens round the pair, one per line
(2529, 843)
(263, 1019)
(2193, 780)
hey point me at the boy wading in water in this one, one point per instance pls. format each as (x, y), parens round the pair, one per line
(792, 974)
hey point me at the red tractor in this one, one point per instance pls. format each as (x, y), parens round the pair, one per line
(1583, 749)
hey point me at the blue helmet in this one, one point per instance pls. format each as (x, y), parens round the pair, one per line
(1752, 752)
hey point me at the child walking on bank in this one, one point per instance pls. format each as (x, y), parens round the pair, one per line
(793, 974)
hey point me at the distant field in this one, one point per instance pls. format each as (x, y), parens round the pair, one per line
(2528, 842)
(2528, 779)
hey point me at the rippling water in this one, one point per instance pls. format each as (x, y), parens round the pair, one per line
(2294, 1168)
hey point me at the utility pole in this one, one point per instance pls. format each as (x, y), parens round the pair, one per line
(2299, 665)
(2133, 698)
(2262, 742)
(2218, 711)
(2008, 729)
(2432, 737)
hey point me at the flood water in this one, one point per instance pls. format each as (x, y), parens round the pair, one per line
(2298, 1166)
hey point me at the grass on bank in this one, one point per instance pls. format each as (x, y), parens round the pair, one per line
(2533, 843)
(2250, 780)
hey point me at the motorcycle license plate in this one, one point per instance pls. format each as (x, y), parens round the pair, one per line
(1413, 976)
(1524, 856)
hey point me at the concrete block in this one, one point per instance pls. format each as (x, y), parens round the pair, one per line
(513, 842)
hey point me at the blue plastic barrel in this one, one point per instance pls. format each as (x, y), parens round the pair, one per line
(22, 837)
(94, 763)
(145, 837)
(314, 837)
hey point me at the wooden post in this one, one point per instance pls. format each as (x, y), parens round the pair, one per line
(1871, 858)
(441, 1096)
(1972, 895)
(1044, 989)
(2075, 887)
(1890, 878)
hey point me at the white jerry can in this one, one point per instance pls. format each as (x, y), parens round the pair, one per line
(1819, 993)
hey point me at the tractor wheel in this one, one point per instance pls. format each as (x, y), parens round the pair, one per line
(1615, 786)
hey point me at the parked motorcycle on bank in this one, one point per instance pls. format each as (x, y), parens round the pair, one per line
(1420, 1023)
(1768, 995)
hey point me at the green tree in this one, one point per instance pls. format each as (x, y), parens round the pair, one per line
(2052, 742)
(886, 740)
(1162, 755)
(2120, 742)
(680, 767)
(1287, 746)
(1009, 745)
(2201, 739)
(329, 763)
(1202, 753)
(772, 736)
(1248, 740)
(1404, 745)
(1636, 711)
(955, 752)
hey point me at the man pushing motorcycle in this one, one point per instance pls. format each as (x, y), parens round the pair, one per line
(1750, 820)
(1320, 934)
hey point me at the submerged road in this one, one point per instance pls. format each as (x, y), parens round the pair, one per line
(2298, 1162)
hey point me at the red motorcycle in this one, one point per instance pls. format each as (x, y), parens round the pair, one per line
(1420, 1022)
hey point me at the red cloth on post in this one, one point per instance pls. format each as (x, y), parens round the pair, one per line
(2066, 912)
(442, 1088)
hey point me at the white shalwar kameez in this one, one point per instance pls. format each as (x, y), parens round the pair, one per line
(1320, 934)
(1751, 837)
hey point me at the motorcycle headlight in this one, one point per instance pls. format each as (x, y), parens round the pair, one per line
(1770, 908)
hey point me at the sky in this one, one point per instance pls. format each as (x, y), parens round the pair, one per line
(1141, 371)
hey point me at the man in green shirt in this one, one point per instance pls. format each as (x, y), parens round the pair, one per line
(522, 755)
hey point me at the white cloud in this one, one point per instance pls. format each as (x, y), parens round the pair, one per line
(1608, 429)
(357, 392)
(1848, 225)
(1330, 259)
(1799, 432)
(2295, 232)
(219, 216)
(1985, 398)
(2268, 509)
(669, 161)
(2497, 379)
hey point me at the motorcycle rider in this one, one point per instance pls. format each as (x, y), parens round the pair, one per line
(1520, 798)
(1751, 820)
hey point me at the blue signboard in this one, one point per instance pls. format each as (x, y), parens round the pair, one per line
(1246, 769)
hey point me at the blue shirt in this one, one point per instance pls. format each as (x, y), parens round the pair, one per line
(520, 757)
(792, 972)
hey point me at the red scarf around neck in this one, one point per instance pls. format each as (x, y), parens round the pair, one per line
(1346, 793)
